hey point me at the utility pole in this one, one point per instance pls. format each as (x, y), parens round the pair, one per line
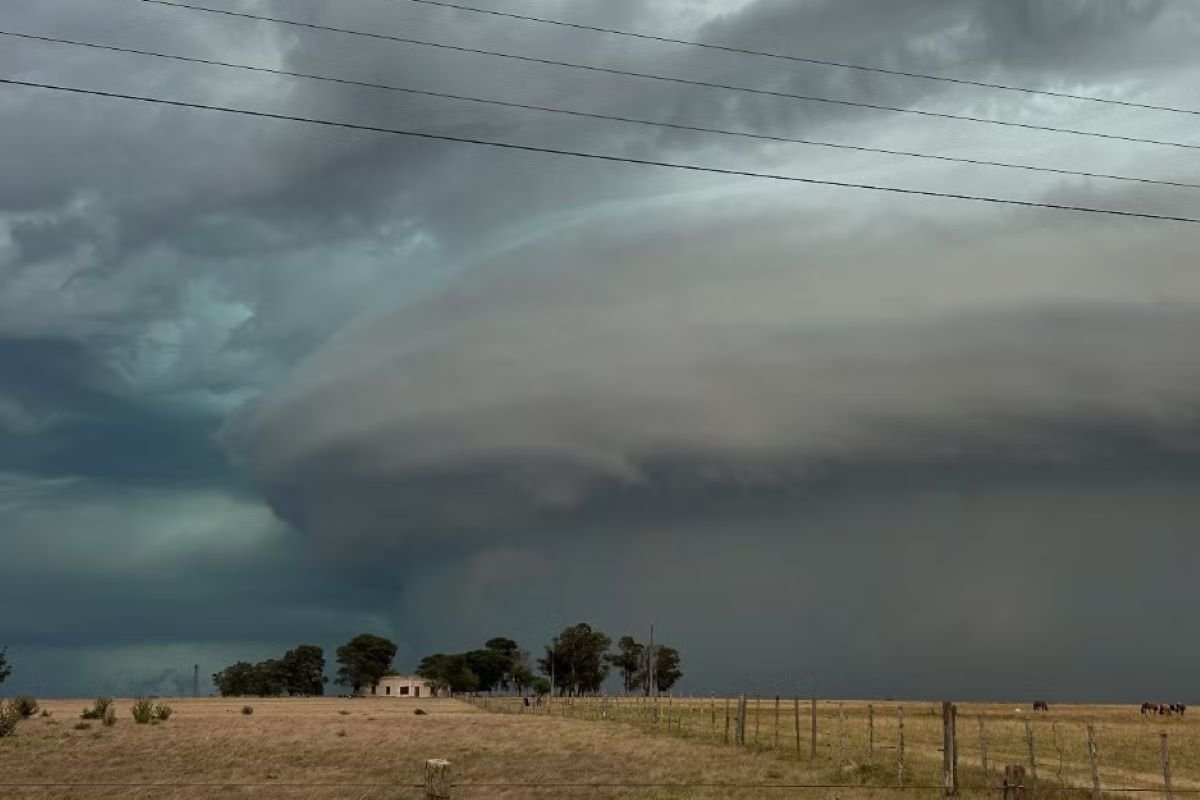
(195, 680)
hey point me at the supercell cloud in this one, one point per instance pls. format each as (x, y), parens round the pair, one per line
(263, 384)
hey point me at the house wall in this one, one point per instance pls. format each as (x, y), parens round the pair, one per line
(399, 686)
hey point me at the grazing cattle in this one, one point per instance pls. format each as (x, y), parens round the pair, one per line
(1041, 705)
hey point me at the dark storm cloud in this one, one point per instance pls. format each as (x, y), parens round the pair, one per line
(522, 375)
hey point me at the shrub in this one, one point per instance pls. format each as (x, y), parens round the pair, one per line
(247, 710)
(142, 710)
(163, 712)
(98, 710)
(344, 713)
(46, 712)
(341, 734)
(24, 705)
(420, 712)
(83, 726)
(9, 717)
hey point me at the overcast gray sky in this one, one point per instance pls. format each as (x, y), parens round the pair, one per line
(263, 383)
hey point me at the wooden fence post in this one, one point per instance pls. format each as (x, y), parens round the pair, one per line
(1014, 782)
(726, 720)
(1165, 747)
(713, 703)
(437, 779)
(739, 730)
(870, 734)
(1094, 758)
(900, 746)
(776, 722)
(797, 727)
(1033, 776)
(949, 749)
(812, 751)
(983, 755)
(757, 717)
(841, 734)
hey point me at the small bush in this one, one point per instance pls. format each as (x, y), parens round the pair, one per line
(344, 713)
(98, 710)
(341, 734)
(46, 712)
(83, 726)
(142, 710)
(420, 712)
(9, 717)
(163, 712)
(24, 705)
(247, 710)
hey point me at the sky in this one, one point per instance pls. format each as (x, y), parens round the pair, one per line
(265, 383)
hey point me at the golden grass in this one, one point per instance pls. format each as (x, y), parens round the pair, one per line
(330, 748)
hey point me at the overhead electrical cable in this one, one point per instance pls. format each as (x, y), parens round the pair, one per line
(668, 79)
(579, 154)
(592, 115)
(1008, 87)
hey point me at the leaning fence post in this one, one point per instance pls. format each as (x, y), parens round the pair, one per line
(900, 746)
(797, 727)
(1165, 746)
(1094, 758)
(1033, 776)
(437, 779)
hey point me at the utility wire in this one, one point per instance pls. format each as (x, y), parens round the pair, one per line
(591, 115)
(601, 156)
(667, 79)
(804, 60)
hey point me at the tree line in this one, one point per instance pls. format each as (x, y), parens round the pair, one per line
(576, 662)
(363, 661)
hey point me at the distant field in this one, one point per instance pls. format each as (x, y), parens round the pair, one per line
(343, 748)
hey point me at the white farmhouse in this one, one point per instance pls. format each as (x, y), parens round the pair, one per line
(399, 686)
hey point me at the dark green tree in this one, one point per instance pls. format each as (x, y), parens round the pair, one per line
(304, 669)
(237, 680)
(666, 667)
(365, 659)
(517, 673)
(449, 672)
(630, 660)
(576, 661)
(270, 678)
(5, 669)
(539, 686)
(491, 667)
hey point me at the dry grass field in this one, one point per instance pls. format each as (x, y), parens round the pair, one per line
(342, 748)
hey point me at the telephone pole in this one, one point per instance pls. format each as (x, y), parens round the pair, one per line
(195, 680)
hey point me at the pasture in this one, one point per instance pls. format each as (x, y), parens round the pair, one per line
(377, 748)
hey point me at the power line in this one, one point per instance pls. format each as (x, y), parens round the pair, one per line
(803, 59)
(592, 115)
(681, 81)
(603, 157)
